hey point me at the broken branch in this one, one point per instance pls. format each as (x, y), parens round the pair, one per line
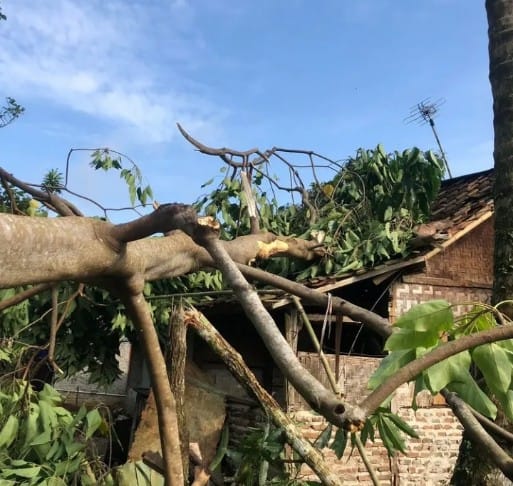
(319, 398)
(247, 379)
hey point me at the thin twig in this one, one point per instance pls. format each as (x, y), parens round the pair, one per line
(365, 459)
(53, 330)
(19, 297)
(317, 346)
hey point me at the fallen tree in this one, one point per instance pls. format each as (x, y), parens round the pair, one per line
(121, 258)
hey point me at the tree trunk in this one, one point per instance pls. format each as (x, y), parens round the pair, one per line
(500, 21)
(175, 361)
(473, 467)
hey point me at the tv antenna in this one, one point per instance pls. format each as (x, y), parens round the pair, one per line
(425, 112)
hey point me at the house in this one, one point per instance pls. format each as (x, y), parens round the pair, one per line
(454, 261)
(457, 267)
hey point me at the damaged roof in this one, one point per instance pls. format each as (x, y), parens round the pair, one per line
(462, 204)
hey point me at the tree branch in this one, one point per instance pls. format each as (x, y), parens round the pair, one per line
(359, 314)
(19, 297)
(226, 154)
(176, 359)
(247, 379)
(318, 397)
(54, 327)
(479, 435)
(137, 309)
(57, 203)
(165, 218)
(491, 426)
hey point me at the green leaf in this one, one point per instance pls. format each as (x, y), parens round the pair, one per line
(410, 339)
(469, 391)
(478, 319)
(50, 394)
(449, 370)
(367, 431)
(385, 436)
(389, 365)
(435, 315)
(394, 435)
(9, 431)
(93, 420)
(339, 443)
(42, 438)
(22, 472)
(494, 363)
(31, 424)
(388, 213)
(402, 425)
(68, 467)
(507, 404)
(322, 441)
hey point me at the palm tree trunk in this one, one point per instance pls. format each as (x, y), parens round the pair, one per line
(473, 468)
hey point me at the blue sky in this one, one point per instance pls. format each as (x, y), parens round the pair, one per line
(326, 75)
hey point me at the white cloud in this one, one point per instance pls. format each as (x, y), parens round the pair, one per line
(120, 61)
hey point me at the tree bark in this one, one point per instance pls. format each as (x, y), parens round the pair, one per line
(137, 309)
(176, 370)
(41, 250)
(500, 32)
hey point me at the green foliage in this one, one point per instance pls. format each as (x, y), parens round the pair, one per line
(17, 202)
(43, 443)
(368, 211)
(87, 339)
(391, 429)
(11, 110)
(339, 442)
(52, 181)
(427, 326)
(364, 215)
(106, 159)
(259, 457)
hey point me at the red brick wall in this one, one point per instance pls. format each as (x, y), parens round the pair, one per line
(429, 460)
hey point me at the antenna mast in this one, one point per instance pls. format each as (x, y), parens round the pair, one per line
(425, 112)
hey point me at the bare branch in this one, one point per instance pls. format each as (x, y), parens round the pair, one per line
(55, 202)
(226, 154)
(53, 330)
(359, 314)
(12, 199)
(319, 398)
(491, 426)
(19, 297)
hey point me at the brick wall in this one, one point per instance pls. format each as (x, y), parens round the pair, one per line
(429, 460)
(405, 295)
